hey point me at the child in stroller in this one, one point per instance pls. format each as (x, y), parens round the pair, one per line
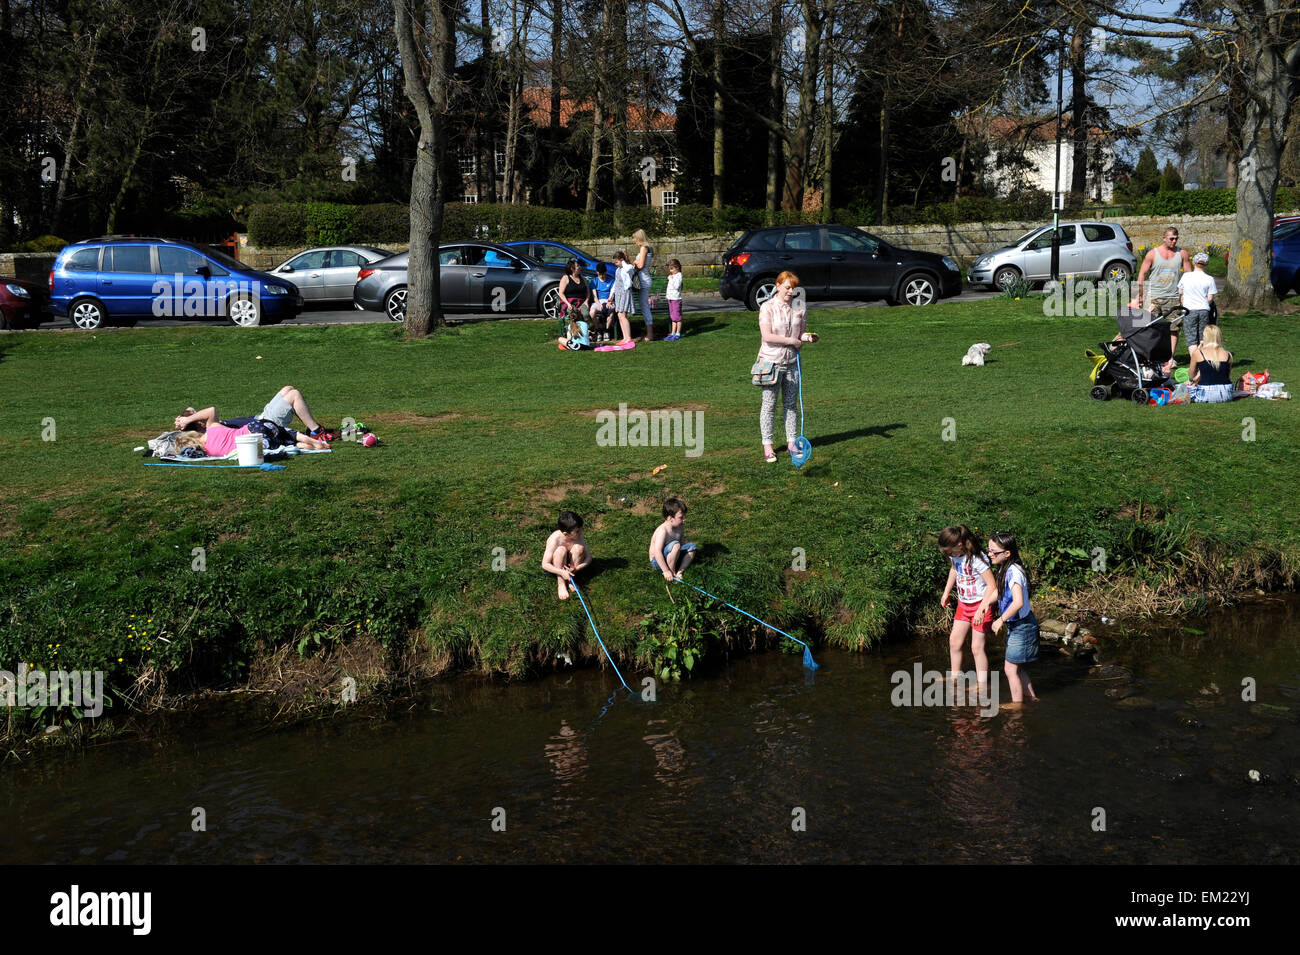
(1137, 360)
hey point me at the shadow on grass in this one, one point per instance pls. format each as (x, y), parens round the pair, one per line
(599, 565)
(880, 430)
(692, 327)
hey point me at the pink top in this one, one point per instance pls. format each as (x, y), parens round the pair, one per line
(784, 320)
(221, 440)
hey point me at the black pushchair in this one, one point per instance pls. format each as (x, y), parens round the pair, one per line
(1135, 363)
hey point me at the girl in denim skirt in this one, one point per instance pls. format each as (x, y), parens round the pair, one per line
(1015, 614)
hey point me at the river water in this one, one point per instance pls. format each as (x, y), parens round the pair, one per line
(752, 761)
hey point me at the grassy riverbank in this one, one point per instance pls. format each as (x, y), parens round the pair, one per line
(488, 431)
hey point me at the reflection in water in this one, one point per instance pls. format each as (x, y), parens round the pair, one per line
(670, 754)
(982, 788)
(567, 753)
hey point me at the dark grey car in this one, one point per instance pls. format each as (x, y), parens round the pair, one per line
(473, 277)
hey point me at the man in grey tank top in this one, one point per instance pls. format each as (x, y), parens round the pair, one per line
(1165, 264)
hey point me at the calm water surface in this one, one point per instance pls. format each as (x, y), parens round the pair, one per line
(719, 768)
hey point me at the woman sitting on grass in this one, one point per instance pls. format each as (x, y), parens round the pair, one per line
(1210, 368)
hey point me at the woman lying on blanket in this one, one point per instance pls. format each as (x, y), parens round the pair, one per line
(217, 440)
(287, 403)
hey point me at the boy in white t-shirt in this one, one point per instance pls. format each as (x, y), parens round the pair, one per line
(1196, 291)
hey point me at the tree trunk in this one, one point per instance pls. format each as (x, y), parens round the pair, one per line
(828, 115)
(1079, 116)
(429, 97)
(719, 112)
(1263, 129)
(882, 174)
(553, 131)
(616, 98)
(801, 140)
(775, 143)
(593, 168)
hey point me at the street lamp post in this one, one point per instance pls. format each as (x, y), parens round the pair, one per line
(1056, 185)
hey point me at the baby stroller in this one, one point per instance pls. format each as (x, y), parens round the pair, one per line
(1134, 364)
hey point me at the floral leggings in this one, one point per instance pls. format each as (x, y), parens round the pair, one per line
(787, 379)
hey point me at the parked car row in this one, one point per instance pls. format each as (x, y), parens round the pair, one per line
(115, 277)
(126, 277)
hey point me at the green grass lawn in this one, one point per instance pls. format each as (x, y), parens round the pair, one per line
(488, 432)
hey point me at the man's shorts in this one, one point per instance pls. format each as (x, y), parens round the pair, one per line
(1160, 307)
(279, 411)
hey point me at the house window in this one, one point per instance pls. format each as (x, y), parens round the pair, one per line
(671, 165)
(670, 201)
(501, 160)
(468, 162)
(469, 198)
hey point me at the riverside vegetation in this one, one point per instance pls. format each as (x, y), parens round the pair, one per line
(421, 556)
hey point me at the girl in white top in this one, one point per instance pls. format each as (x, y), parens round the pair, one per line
(642, 263)
(782, 328)
(621, 292)
(977, 591)
(674, 296)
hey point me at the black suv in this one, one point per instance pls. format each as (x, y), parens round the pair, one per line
(834, 262)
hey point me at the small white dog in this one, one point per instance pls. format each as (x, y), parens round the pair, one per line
(976, 354)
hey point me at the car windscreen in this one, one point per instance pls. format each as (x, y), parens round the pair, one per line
(229, 262)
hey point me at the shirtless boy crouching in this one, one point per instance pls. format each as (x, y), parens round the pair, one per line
(566, 551)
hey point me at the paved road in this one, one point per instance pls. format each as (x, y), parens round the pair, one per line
(338, 315)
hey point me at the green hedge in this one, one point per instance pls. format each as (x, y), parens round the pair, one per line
(296, 224)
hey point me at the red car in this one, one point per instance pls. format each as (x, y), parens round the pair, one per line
(22, 303)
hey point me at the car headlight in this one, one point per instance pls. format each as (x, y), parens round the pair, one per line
(980, 262)
(276, 290)
(18, 290)
(951, 264)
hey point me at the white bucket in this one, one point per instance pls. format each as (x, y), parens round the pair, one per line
(249, 447)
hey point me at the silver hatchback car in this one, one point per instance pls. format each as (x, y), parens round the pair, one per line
(1098, 250)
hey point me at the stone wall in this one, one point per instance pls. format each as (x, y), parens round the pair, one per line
(33, 266)
(702, 255)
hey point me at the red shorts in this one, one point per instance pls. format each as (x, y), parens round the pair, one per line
(967, 612)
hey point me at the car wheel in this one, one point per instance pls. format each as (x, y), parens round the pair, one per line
(549, 304)
(759, 293)
(245, 311)
(919, 290)
(395, 304)
(1117, 272)
(1006, 277)
(86, 313)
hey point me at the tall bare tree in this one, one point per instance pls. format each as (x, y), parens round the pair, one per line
(426, 37)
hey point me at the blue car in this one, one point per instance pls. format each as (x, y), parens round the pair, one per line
(1286, 259)
(557, 253)
(114, 277)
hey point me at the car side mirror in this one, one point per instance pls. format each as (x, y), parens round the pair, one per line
(519, 266)
(204, 271)
(286, 269)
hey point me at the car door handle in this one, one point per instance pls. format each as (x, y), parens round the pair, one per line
(479, 275)
(786, 258)
(107, 281)
(837, 258)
